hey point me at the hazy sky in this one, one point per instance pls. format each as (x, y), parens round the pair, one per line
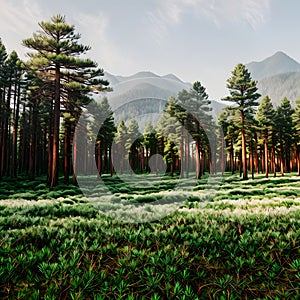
(193, 39)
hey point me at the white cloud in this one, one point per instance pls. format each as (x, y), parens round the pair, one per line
(16, 17)
(254, 12)
(19, 19)
(94, 30)
(165, 15)
(169, 12)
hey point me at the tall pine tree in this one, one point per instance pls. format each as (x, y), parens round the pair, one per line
(243, 93)
(296, 121)
(265, 118)
(57, 59)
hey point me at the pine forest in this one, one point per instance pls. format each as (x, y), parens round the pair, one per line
(194, 206)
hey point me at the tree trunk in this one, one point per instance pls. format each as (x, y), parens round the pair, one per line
(99, 157)
(182, 156)
(298, 159)
(273, 155)
(147, 159)
(55, 146)
(197, 159)
(15, 132)
(251, 159)
(67, 146)
(266, 155)
(223, 155)
(281, 158)
(75, 157)
(50, 145)
(33, 141)
(187, 155)
(232, 157)
(256, 156)
(244, 150)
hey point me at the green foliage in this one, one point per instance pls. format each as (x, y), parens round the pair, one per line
(243, 90)
(296, 116)
(242, 248)
(265, 112)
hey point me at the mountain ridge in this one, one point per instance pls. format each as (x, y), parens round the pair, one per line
(278, 76)
(144, 94)
(276, 64)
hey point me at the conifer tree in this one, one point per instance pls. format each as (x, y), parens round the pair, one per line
(149, 143)
(104, 128)
(284, 128)
(168, 129)
(183, 116)
(243, 93)
(265, 118)
(296, 122)
(133, 143)
(57, 60)
(120, 140)
(3, 108)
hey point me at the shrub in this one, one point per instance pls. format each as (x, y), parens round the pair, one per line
(145, 199)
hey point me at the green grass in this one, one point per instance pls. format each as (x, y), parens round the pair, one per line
(240, 243)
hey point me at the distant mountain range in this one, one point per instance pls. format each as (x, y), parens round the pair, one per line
(143, 96)
(278, 76)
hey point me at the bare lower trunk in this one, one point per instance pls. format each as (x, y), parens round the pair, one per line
(197, 156)
(266, 157)
(244, 156)
(55, 146)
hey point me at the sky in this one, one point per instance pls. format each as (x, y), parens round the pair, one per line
(193, 39)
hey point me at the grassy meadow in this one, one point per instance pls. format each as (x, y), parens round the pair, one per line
(241, 242)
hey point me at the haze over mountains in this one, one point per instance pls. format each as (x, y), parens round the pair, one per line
(143, 95)
(278, 76)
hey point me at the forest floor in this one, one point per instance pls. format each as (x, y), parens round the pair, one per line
(228, 239)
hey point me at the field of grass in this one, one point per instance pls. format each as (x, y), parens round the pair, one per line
(241, 242)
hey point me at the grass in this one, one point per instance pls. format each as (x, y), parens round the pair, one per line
(241, 242)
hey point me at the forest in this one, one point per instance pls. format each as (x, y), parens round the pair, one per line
(240, 242)
(43, 98)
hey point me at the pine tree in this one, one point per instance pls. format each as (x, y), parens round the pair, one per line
(284, 128)
(149, 143)
(133, 143)
(3, 107)
(104, 128)
(17, 101)
(11, 98)
(168, 131)
(296, 121)
(243, 93)
(199, 107)
(265, 117)
(120, 140)
(183, 115)
(57, 61)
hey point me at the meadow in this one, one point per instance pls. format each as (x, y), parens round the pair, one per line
(241, 242)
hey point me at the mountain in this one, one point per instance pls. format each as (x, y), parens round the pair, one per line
(172, 77)
(279, 86)
(143, 96)
(278, 76)
(273, 65)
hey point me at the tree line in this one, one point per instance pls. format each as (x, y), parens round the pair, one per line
(260, 137)
(43, 99)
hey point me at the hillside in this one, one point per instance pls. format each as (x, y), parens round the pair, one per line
(273, 65)
(280, 86)
(143, 96)
(278, 76)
